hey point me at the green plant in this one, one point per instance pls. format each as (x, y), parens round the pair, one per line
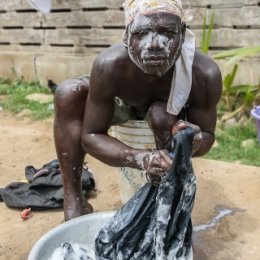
(207, 32)
(238, 53)
(248, 92)
(228, 90)
(14, 97)
(236, 99)
(230, 147)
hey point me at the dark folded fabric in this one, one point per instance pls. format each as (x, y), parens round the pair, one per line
(44, 189)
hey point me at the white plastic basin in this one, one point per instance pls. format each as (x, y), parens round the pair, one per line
(82, 230)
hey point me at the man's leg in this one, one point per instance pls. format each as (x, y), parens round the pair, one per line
(70, 100)
(161, 123)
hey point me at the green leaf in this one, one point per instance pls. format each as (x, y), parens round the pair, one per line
(211, 24)
(229, 78)
(203, 40)
(206, 33)
(238, 53)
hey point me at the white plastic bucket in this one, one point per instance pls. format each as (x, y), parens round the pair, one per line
(136, 134)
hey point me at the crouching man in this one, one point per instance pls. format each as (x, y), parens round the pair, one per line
(156, 74)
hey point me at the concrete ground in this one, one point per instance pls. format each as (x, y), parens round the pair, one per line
(226, 216)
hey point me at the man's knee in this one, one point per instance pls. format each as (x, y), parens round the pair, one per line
(156, 114)
(158, 117)
(71, 92)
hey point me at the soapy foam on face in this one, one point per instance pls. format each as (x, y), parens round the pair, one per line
(140, 22)
(163, 42)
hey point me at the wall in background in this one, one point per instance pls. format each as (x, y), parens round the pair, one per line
(64, 43)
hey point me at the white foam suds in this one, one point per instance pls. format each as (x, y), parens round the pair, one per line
(77, 86)
(73, 252)
(139, 158)
(144, 23)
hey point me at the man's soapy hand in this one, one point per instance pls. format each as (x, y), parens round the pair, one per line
(181, 125)
(156, 164)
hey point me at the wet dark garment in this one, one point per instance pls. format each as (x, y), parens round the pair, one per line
(44, 189)
(155, 224)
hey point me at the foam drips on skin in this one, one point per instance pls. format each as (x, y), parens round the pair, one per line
(76, 86)
(140, 159)
(162, 41)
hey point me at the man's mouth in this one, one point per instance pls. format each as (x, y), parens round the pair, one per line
(154, 60)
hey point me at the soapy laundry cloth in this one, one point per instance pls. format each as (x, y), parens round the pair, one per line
(155, 224)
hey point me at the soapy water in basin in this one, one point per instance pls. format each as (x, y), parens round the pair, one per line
(73, 251)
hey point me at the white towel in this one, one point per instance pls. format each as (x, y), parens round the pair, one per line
(182, 76)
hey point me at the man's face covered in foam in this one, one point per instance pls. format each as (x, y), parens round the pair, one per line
(154, 42)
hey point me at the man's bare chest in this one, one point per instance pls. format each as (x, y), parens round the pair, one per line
(141, 93)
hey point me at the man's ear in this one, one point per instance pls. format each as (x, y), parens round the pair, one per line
(125, 37)
(183, 30)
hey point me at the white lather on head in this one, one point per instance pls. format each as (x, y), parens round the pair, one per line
(134, 8)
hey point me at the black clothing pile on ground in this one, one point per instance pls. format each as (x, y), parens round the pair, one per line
(155, 224)
(43, 189)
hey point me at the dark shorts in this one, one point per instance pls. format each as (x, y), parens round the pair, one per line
(124, 112)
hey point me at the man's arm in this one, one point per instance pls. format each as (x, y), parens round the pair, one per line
(204, 113)
(97, 119)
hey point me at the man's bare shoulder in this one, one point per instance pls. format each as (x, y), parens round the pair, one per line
(205, 66)
(110, 70)
(207, 77)
(112, 61)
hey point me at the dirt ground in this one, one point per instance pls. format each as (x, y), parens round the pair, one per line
(222, 188)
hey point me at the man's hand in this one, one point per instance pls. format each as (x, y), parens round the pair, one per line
(180, 125)
(156, 164)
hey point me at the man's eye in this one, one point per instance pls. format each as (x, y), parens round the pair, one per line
(169, 32)
(141, 33)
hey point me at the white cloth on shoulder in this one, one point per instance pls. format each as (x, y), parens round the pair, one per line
(182, 76)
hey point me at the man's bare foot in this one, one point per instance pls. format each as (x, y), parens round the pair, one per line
(76, 209)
